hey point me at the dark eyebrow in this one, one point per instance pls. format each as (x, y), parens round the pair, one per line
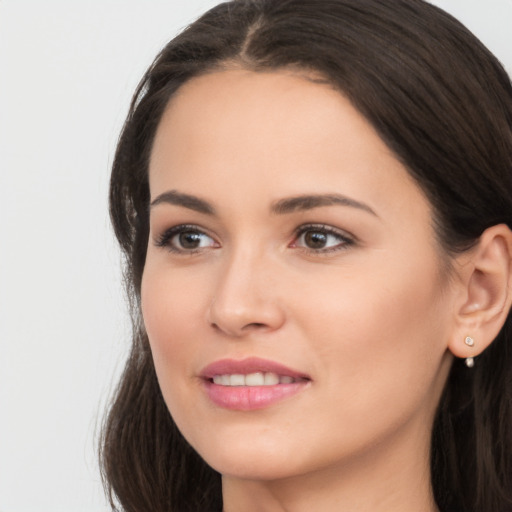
(185, 200)
(308, 202)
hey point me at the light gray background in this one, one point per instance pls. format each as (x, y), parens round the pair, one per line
(67, 71)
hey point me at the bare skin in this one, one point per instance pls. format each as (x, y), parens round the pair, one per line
(351, 291)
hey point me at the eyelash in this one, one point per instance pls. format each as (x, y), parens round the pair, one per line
(165, 239)
(345, 240)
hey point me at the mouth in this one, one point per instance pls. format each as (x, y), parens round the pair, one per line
(251, 383)
(253, 379)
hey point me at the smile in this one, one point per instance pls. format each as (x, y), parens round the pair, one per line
(253, 379)
(251, 384)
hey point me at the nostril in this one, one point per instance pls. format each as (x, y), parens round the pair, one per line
(245, 328)
(254, 325)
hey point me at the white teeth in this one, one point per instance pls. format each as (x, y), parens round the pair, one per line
(237, 380)
(255, 379)
(271, 379)
(252, 379)
(223, 380)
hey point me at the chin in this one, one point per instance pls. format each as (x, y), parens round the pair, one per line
(249, 467)
(254, 457)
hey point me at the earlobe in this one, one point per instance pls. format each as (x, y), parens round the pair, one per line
(487, 295)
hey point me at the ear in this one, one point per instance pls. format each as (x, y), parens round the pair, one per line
(486, 277)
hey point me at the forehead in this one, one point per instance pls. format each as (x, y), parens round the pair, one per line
(229, 131)
(265, 109)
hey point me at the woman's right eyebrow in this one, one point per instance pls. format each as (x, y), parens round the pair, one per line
(184, 200)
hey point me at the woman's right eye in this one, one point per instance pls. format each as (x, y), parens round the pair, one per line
(186, 239)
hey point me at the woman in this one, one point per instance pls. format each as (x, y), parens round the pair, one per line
(313, 198)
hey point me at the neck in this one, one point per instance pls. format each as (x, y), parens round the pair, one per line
(393, 476)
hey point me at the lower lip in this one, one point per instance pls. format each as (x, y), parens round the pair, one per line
(249, 398)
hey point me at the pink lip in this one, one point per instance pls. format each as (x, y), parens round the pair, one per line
(249, 365)
(247, 398)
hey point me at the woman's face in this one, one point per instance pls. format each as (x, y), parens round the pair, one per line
(294, 293)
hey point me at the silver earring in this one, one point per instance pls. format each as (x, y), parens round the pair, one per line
(470, 342)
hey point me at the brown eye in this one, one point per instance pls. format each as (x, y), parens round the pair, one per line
(185, 239)
(190, 239)
(321, 239)
(315, 239)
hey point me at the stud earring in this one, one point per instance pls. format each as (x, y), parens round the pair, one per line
(470, 342)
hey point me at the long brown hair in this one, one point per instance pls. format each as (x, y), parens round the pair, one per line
(443, 104)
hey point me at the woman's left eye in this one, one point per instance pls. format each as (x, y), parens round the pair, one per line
(321, 239)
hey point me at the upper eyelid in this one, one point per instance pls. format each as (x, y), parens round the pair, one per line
(346, 239)
(165, 241)
(183, 227)
(326, 228)
(162, 238)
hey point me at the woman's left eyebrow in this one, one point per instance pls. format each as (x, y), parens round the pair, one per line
(308, 202)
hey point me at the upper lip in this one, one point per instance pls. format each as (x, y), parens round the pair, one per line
(247, 366)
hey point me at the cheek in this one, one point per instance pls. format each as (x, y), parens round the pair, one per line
(381, 305)
(171, 309)
(380, 334)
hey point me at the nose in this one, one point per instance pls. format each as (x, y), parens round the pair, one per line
(244, 299)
